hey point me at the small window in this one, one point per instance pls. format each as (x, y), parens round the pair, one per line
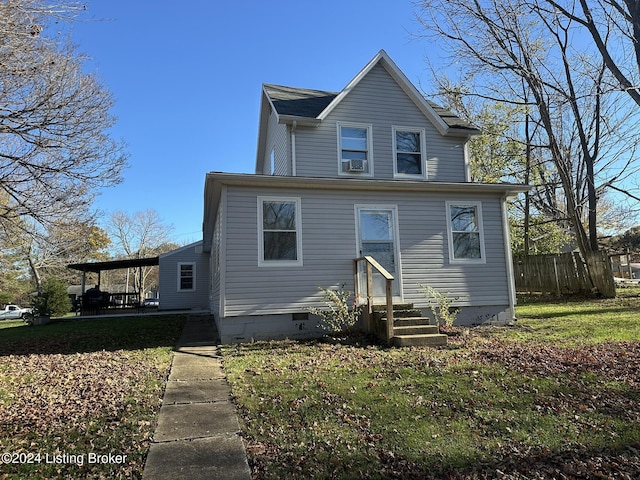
(466, 241)
(279, 231)
(354, 149)
(408, 148)
(272, 162)
(186, 277)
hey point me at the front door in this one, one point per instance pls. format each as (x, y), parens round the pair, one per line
(377, 237)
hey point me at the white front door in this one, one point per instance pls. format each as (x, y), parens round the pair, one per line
(377, 237)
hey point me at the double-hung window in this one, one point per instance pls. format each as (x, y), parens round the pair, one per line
(354, 149)
(466, 238)
(408, 152)
(186, 277)
(279, 226)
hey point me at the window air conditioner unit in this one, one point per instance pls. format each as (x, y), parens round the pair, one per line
(357, 165)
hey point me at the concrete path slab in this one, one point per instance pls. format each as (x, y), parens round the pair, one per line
(193, 391)
(195, 460)
(198, 434)
(195, 420)
(196, 372)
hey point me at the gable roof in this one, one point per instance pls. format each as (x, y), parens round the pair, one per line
(308, 107)
(317, 104)
(298, 102)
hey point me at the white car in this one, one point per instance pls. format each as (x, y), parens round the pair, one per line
(150, 302)
(13, 312)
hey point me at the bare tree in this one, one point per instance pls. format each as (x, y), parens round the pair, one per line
(55, 148)
(139, 235)
(506, 44)
(614, 27)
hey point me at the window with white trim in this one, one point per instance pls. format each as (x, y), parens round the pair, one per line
(408, 152)
(272, 162)
(279, 231)
(354, 149)
(186, 277)
(466, 238)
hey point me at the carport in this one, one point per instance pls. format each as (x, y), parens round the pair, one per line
(98, 267)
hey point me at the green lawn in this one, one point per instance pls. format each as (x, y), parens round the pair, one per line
(554, 395)
(73, 389)
(581, 321)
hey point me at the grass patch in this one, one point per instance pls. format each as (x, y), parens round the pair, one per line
(71, 389)
(577, 320)
(507, 399)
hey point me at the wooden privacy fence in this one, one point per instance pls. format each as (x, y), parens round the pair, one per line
(564, 273)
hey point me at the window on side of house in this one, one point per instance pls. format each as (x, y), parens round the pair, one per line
(354, 149)
(186, 277)
(409, 152)
(279, 225)
(466, 238)
(272, 162)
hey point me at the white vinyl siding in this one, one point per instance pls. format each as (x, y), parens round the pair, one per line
(377, 100)
(330, 245)
(169, 292)
(278, 158)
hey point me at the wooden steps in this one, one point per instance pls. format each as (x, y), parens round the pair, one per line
(410, 328)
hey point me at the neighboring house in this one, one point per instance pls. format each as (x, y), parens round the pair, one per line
(184, 279)
(374, 169)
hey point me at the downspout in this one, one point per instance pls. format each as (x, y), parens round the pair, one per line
(293, 148)
(508, 256)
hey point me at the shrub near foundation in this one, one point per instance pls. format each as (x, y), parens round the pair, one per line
(340, 313)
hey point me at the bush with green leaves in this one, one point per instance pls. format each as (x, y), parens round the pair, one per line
(441, 305)
(53, 300)
(340, 313)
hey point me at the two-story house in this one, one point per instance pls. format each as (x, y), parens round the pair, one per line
(374, 169)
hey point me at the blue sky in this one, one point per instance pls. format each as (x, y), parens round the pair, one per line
(186, 77)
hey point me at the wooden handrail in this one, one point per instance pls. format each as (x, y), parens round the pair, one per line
(372, 263)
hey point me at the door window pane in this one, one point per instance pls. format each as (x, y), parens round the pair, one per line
(382, 252)
(375, 226)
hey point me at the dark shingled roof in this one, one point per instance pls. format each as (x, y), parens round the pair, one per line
(304, 102)
(450, 118)
(299, 102)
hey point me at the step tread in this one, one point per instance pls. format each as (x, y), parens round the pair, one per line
(434, 339)
(410, 320)
(396, 306)
(416, 329)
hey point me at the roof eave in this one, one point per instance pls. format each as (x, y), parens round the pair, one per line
(243, 179)
(298, 120)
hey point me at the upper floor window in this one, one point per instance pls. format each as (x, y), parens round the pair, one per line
(186, 277)
(354, 149)
(279, 227)
(466, 239)
(272, 162)
(408, 152)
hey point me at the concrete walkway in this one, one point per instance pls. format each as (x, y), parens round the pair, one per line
(197, 436)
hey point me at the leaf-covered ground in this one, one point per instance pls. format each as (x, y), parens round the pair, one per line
(72, 389)
(486, 406)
